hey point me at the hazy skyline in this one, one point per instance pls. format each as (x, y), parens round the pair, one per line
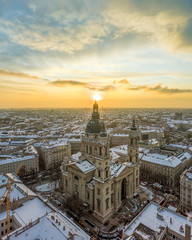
(61, 53)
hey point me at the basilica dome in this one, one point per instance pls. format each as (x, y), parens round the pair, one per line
(96, 125)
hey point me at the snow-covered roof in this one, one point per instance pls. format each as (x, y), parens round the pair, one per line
(116, 169)
(53, 226)
(19, 190)
(122, 149)
(155, 219)
(76, 156)
(15, 194)
(17, 159)
(172, 161)
(114, 156)
(187, 175)
(178, 146)
(34, 208)
(85, 166)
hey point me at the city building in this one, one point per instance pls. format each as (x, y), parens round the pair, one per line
(52, 153)
(158, 223)
(50, 226)
(31, 217)
(186, 190)
(29, 157)
(163, 168)
(93, 178)
(160, 165)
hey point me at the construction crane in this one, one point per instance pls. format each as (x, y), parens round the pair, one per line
(6, 196)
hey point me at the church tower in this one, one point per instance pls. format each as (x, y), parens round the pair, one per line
(92, 177)
(95, 148)
(95, 145)
(133, 146)
(133, 153)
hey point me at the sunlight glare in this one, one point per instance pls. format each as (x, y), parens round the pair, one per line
(97, 97)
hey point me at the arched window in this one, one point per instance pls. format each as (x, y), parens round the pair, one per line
(90, 149)
(98, 205)
(107, 203)
(100, 151)
(99, 173)
(131, 141)
(107, 173)
(76, 178)
(86, 149)
(112, 198)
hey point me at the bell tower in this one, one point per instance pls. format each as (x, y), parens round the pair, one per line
(133, 154)
(133, 146)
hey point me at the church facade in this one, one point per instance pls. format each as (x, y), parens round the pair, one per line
(93, 178)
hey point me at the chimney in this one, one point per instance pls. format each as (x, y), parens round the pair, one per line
(187, 232)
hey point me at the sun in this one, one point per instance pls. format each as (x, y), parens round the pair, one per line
(97, 97)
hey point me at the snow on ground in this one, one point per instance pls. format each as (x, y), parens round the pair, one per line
(47, 186)
(148, 192)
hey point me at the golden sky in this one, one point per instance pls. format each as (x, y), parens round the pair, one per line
(56, 54)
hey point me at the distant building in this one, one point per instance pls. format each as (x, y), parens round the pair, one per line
(163, 168)
(164, 165)
(178, 115)
(118, 139)
(52, 154)
(186, 190)
(29, 158)
(75, 144)
(146, 135)
(94, 179)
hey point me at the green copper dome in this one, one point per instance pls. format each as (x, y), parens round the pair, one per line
(96, 125)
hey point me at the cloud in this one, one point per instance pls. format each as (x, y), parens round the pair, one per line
(92, 87)
(123, 81)
(160, 89)
(136, 88)
(103, 88)
(70, 27)
(63, 83)
(65, 39)
(6, 73)
(119, 84)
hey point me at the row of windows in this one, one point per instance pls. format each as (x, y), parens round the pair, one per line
(2, 224)
(106, 202)
(94, 150)
(2, 232)
(106, 173)
(107, 189)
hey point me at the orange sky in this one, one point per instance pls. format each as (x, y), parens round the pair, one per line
(56, 54)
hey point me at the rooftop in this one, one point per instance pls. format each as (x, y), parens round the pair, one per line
(155, 219)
